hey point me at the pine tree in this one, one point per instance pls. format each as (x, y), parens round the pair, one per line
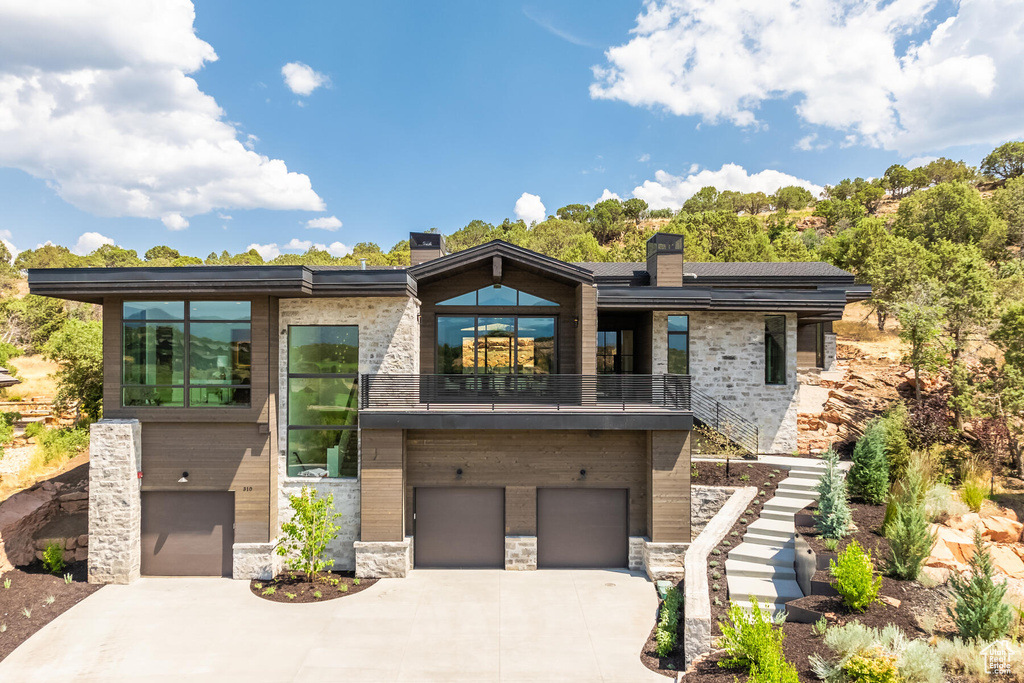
(910, 540)
(869, 477)
(833, 509)
(980, 612)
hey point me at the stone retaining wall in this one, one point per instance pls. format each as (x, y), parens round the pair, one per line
(383, 559)
(520, 553)
(76, 548)
(705, 502)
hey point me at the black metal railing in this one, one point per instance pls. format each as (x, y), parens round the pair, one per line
(727, 422)
(494, 392)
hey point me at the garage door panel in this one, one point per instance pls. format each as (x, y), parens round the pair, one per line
(460, 528)
(582, 528)
(187, 533)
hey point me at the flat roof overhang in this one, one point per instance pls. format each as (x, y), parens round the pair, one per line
(91, 285)
(810, 301)
(521, 419)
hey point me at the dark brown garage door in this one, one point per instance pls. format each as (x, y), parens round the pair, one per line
(460, 528)
(187, 534)
(582, 528)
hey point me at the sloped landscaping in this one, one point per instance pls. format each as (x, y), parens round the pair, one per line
(295, 587)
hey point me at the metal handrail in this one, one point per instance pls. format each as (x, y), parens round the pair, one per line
(725, 421)
(622, 392)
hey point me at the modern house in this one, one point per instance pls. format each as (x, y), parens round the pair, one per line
(489, 408)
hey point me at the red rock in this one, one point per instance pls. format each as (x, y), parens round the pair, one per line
(1006, 561)
(890, 601)
(1001, 529)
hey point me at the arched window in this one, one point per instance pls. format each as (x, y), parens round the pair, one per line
(496, 295)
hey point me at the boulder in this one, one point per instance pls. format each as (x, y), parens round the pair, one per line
(959, 543)
(1001, 529)
(83, 540)
(965, 522)
(832, 416)
(1006, 561)
(939, 575)
(81, 553)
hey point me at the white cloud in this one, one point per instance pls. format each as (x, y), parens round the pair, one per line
(810, 142)
(174, 221)
(95, 99)
(917, 162)
(301, 79)
(224, 216)
(843, 62)
(250, 142)
(90, 242)
(5, 239)
(669, 191)
(607, 194)
(644, 158)
(530, 209)
(327, 223)
(273, 250)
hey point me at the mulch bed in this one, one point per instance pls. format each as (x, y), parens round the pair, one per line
(916, 602)
(295, 587)
(741, 473)
(31, 586)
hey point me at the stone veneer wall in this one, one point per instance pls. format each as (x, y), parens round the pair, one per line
(705, 502)
(383, 559)
(636, 552)
(520, 552)
(831, 354)
(115, 501)
(727, 363)
(388, 342)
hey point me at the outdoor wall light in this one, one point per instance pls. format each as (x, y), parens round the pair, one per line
(184, 478)
(583, 474)
(458, 473)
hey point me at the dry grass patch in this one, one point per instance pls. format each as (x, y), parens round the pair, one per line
(36, 375)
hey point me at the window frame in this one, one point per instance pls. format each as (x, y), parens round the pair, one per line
(476, 336)
(475, 293)
(768, 339)
(289, 427)
(677, 333)
(186, 386)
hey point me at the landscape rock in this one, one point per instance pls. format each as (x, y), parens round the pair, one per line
(81, 554)
(1002, 529)
(958, 543)
(71, 544)
(939, 575)
(1006, 561)
(83, 540)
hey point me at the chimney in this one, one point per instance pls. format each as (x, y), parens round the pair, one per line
(425, 246)
(665, 260)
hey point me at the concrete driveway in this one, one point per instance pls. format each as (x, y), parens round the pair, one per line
(573, 625)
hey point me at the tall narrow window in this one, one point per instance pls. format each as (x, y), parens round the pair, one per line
(775, 349)
(615, 352)
(819, 345)
(323, 362)
(177, 354)
(679, 344)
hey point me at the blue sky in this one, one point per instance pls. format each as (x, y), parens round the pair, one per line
(434, 115)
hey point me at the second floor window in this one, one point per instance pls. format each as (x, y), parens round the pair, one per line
(775, 349)
(195, 354)
(495, 345)
(679, 344)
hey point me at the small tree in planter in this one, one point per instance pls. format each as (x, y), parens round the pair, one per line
(834, 518)
(306, 536)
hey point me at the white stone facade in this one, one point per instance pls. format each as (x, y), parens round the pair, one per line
(727, 364)
(831, 353)
(520, 553)
(636, 552)
(115, 501)
(388, 343)
(383, 559)
(705, 502)
(664, 560)
(255, 561)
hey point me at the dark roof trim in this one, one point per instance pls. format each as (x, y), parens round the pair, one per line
(93, 284)
(552, 419)
(531, 260)
(699, 298)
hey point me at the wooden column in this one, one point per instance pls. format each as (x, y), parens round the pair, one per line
(382, 485)
(670, 486)
(586, 329)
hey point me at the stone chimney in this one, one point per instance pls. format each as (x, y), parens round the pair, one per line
(665, 260)
(425, 246)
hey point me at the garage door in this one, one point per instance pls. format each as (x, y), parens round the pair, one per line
(582, 528)
(187, 534)
(460, 528)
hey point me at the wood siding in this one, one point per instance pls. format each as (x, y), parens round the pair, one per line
(382, 485)
(483, 276)
(522, 460)
(670, 486)
(586, 344)
(665, 269)
(807, 345)
(217, 457)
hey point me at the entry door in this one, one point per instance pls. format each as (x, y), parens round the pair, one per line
(582, 528)
(460, 528)
(187, 533)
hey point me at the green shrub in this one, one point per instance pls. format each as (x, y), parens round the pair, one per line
(940, 504)
(308, 532)
(668, 623)
(53, 558)
(980, 612)
(910, 538)
(34, 429)
(974, 492)
(873, 667)
(749, 638)
(915, 660)
(774, 669)
(855, 578)
(869, 477)
(834, 519)
(61, 444)
(897, 446)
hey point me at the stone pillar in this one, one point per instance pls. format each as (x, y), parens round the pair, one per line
(830, 352)
(636, 552)
(115, 501)
(383, 559)
(665, 560)
(255, 561)
(520, 552)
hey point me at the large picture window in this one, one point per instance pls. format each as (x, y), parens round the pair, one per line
(195, 354)
(495, 345)
(323, 410)
(775, 349)
(679, 344)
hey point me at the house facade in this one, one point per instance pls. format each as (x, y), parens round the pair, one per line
(490, 408)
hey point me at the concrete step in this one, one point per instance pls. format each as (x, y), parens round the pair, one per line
(804, 474)
(771, 590)
(778, 555)
(791, 504)
(772, 527)
(778, 515)
(771, 541)
(799, 486)
(736, 568)
(772, 607)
